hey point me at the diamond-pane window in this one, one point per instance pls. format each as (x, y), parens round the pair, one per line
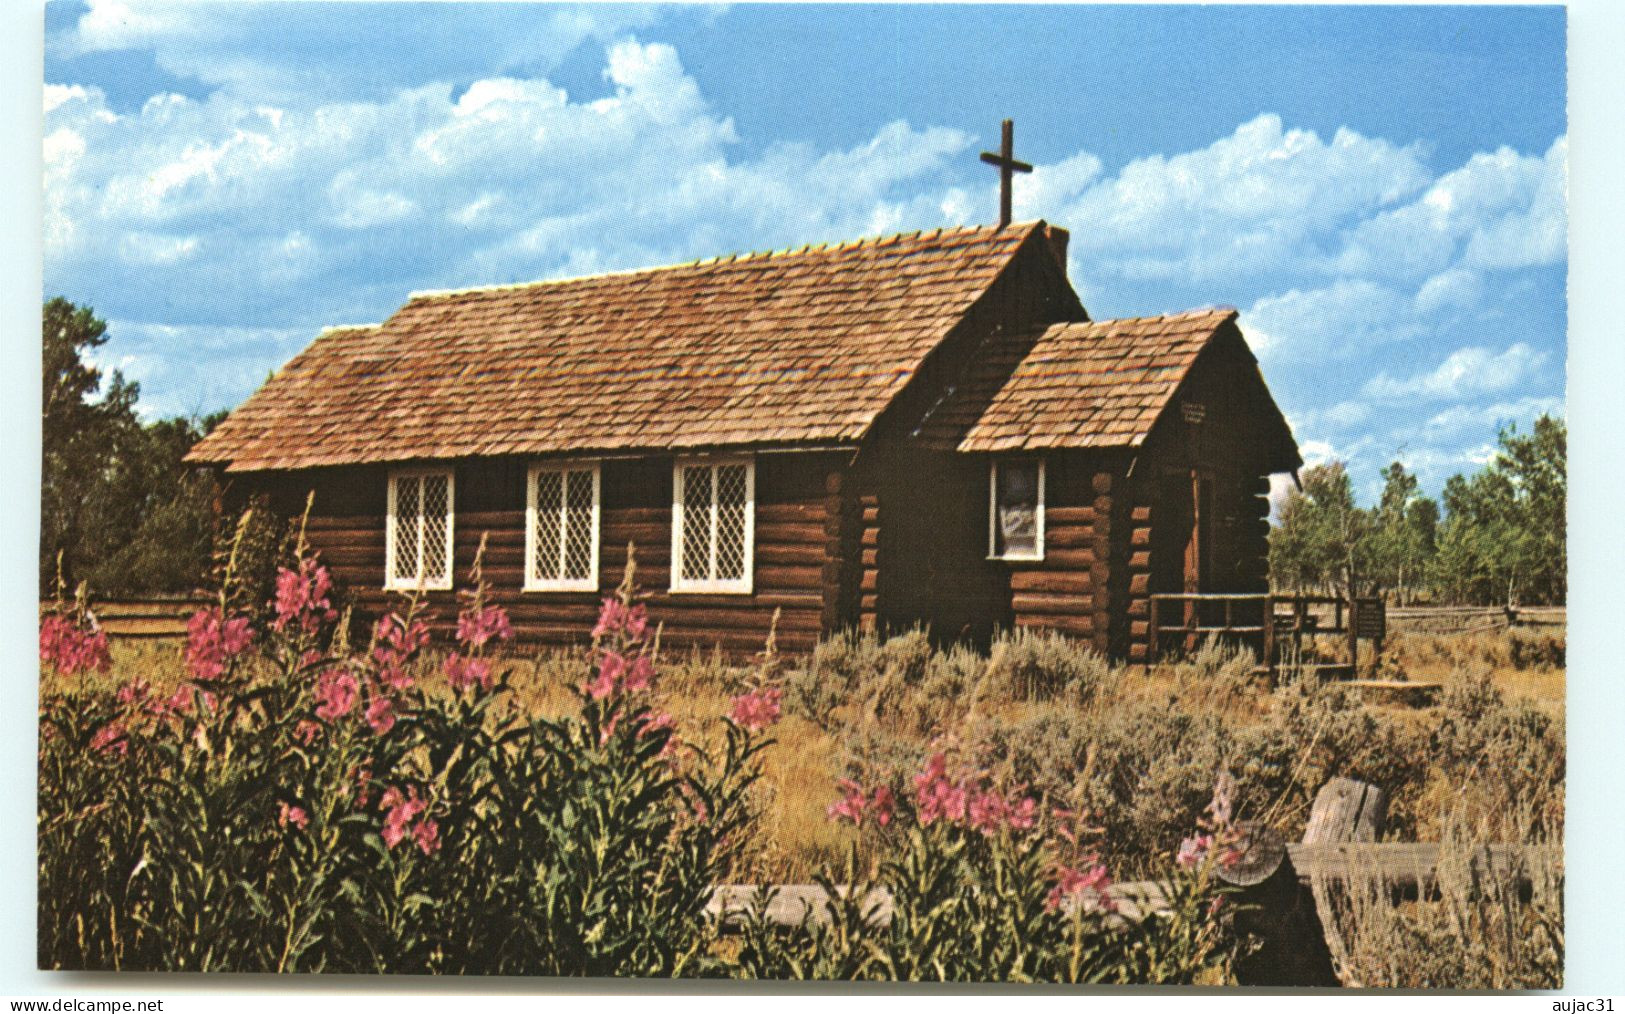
(561, 544)
(714, 508)
(418, 540)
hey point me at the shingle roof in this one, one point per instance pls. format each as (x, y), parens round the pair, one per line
(795, 347)
(1091, 384)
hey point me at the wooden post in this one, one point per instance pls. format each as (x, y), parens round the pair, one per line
(1346, 811)
(1269, 636)
(1151, 637)
(1354, 636)
(1275, 908)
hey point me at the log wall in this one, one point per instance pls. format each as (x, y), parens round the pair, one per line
(806, 562)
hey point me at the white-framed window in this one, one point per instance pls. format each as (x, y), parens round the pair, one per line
(561, 527)
(1015, 524)
(418, 529)
(713, 530)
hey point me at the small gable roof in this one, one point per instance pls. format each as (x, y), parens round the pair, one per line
(800, 347)
(1080, 385)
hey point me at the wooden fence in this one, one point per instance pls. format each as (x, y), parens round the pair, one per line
(1472, 619)
(1285, 889)
(140, 618)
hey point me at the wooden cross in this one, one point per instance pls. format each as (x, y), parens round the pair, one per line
(1008, 167)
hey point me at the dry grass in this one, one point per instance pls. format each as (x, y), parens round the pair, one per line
(1476, 930)
(902, 700)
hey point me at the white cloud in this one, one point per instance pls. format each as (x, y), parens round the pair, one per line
(341, 209)
(1466, 371)
(266, 212)
(1500, 210)
(1479, 418)
(1457, 288)
(1347, 318)
(1261, 199)
(329, 50)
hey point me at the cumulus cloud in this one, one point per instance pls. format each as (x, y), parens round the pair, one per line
(346, 50)
(1349, 317)
(1262, 198)
(302, 192)
(1479, 418)
(284, 215)
(1500, 210)
(1466, 371)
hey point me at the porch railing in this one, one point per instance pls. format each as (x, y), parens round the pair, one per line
(1191, 616)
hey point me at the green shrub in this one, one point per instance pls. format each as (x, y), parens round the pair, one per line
(1035, 665)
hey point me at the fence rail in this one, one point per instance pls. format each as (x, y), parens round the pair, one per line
(1285, 887)
(143, 617)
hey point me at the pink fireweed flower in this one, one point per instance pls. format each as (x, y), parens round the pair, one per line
(1069, 882)
(427, 835)
(363, 783)
(936, 796)
(302, 597)
(397, 640)
(393, 675)
(184, 699)
(295, 815)
(111, 738)
(615, 618)
(70, 649)
(306, 731)
(607, 681)
(1193, 850)
(213, 641)
(403, 810)
(884, 804)
(757, 709)
(639, 675)
(336, 694)
(851, 804)
(381, 715)
(476, 627)
(463, 673)
(134, 692)
(989, 812)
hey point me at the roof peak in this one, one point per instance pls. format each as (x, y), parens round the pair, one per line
(919, 235)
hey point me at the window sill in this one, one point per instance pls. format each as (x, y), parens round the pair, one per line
(1018, 559)
(712, 590)
(556, 589)
(407, 589)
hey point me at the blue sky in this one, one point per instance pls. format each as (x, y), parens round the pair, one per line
(1380, 191)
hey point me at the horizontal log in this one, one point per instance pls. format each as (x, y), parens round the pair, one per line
(799, 554)
(1415, 865)
(1051, 605)
(1065, 558)
(1084, 516)
(789, 513)
(793, 904)
(1068, 536)
(1067, 582)
(1048, 611)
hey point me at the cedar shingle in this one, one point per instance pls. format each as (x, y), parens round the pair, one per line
(789, 348)
(1095, 384)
